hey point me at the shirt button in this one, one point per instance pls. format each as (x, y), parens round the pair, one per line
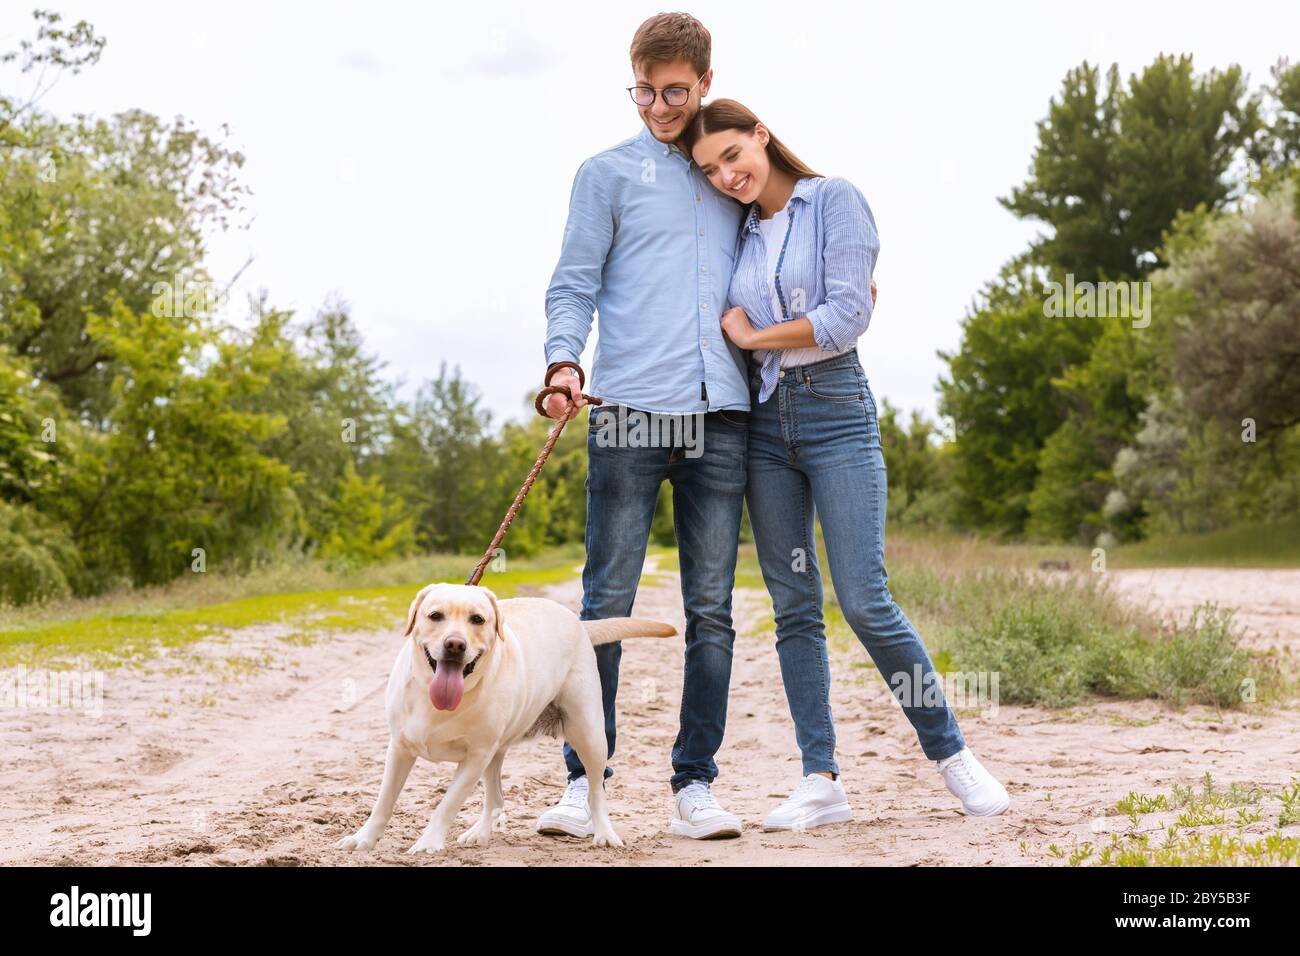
(704, 307)
(706, 269)
(704, 344)
(701, 232)
(697, 197)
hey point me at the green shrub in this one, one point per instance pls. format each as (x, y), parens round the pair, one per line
(1054, 641)
(1199, 661)
(36, 557)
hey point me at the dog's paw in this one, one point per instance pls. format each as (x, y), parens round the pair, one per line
(607, 838)
(428, 843)
(361, 840)
(478, 834)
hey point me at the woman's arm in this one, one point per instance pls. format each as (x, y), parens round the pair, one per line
(794, 334)
(849, 257)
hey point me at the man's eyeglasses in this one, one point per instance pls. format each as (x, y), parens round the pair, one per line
(673, 95)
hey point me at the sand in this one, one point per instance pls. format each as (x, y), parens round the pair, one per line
(256, 751)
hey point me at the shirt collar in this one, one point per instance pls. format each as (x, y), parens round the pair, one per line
(663, 149)
(803, 190)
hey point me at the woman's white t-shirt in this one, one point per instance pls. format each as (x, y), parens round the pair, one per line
(773, 231)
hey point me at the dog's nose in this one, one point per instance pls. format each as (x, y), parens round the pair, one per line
(454, 645)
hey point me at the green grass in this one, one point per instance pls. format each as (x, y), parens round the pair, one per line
(1210, 830)
(104, 632)
(1274, 545)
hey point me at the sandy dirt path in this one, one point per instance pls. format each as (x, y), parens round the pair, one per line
(254, 751)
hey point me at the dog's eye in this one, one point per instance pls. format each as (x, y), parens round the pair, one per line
(435, 615)
(477, 619)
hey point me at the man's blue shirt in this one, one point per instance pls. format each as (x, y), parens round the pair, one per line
(649, 245)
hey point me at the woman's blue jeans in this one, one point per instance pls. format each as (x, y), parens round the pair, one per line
(814, 448)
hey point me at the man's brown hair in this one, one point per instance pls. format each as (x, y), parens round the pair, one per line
(666, 37)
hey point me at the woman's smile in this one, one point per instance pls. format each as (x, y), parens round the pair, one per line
(741, 184)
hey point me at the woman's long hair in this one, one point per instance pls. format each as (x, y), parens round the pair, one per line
(729, 114)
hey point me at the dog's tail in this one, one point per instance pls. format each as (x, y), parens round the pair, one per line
(619, 628)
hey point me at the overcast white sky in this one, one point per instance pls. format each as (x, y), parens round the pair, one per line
(416, 159)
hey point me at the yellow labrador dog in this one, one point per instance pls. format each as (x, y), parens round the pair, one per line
(478, 675)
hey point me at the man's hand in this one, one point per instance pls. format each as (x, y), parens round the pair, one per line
(556, 404)
(735, 323)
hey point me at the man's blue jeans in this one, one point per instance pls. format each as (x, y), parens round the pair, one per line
(707, 470)
(814, 448)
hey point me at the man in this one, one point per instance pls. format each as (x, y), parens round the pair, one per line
(650, 245)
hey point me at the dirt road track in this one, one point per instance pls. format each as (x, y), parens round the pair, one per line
(255, 751)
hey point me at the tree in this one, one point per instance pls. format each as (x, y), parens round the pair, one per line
(180, 465)
(1103, 397)
(366, 523)
(332, 393)
(1219, 437)
(30, 453)
(920, 480)
(94, 212)
(442, 462)
(1000, 396)
(1283, 148)
(1114, 166)
(1236, 351)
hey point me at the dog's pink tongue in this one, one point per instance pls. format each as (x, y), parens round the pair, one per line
(448, 685)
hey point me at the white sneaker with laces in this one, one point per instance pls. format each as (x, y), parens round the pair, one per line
(571, 815)
(815, 802)
(980, 793)
(697, 814)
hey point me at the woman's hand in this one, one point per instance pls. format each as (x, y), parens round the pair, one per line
(735, 325)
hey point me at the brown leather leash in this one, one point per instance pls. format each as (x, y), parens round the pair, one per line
(541, 459)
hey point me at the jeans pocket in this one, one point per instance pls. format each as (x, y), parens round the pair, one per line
(601, 416)
(841, 384)
(734, 418)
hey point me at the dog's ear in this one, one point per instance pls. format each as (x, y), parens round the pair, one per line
(496, 613)
(415, 607)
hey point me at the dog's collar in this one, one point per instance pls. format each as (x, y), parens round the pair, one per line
(469, 668)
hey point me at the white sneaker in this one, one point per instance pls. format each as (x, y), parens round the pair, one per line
(697, 814)
(815, 802)
(979, 792)
(571, 815)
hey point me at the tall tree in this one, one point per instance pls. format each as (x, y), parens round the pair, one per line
(1114, 166)
(1000, 395)
(94, 212)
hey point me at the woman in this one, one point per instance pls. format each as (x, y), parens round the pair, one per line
(801, 296)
